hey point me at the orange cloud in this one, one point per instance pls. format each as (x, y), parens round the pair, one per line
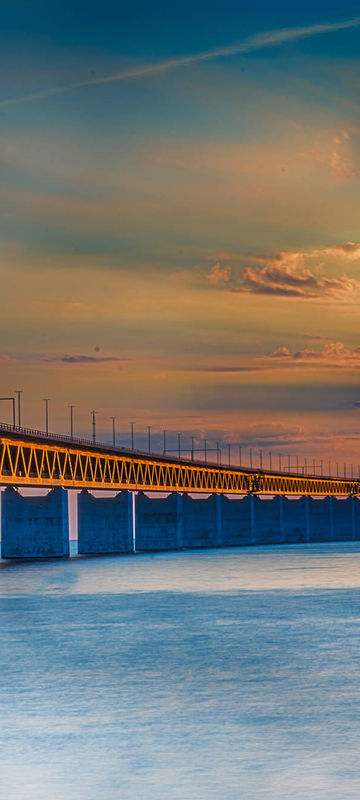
(334, 354)
(295, 273)
(219, 273)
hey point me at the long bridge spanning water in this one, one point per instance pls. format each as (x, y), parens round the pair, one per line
(34, 458)
(198, 511)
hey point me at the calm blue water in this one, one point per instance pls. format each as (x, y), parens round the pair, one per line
(225, 674)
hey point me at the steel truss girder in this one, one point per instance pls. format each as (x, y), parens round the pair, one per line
(26, 463)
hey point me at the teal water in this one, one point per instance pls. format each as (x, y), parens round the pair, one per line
(226, 674)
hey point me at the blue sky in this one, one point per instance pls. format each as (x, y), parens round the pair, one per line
(177, 242)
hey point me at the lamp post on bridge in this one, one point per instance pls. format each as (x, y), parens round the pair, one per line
(19, 392)
(179, 444)
(240, 453)
(46, 401)
(132, 434)
(164, 442)
(94, 426)
(71, 421)
(192, 448)
(113, 431)
(149, 438)
(13, 407)
(205, 451)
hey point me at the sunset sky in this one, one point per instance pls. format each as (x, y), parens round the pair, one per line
(180, 219)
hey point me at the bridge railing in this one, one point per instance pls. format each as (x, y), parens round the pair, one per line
(35, 432)
(63, 437)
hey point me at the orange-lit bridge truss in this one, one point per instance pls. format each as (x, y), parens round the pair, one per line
(35, 460)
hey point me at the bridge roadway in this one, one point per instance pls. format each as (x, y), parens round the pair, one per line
(33, 458)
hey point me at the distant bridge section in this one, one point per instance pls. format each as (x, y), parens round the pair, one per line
(35, 459)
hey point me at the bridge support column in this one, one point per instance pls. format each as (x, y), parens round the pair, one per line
(219, 502)
(295, 525)
(343, 518)
(269, 520)
(331, 514)
(307, 518)
(237, 528)
(34, 526)
(105, 524)
(199, 521)
(353, 519)
(158, 522)
(179, 527)
(281, 518)
(252, 518)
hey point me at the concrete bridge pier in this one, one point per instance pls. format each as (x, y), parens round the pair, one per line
(237, 520)
(269, 520)
(105, 524)
(201, 521)
(34, 526)
(158, 522)
(296, 520)
(345, 522)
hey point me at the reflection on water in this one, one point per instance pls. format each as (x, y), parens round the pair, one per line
(225, 674)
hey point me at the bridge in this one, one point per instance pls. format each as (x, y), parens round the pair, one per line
(34, 458)
(199, 509)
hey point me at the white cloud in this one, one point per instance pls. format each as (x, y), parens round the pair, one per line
(259, 41)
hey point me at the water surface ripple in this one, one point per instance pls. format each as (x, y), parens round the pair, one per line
(225, 674)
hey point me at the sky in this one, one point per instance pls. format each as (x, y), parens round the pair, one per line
(179, 241)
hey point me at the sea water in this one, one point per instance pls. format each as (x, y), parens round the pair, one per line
(227, 674)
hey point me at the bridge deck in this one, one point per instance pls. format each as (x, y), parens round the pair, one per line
(32, 458)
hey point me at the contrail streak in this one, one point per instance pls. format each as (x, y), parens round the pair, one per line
(257, 42)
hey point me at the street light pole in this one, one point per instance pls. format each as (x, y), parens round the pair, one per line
(192, 448)
(19, 393)
(113, 431)
(71, 421)
(46, 401)
(164, 447)
(149, 438)
(132, 434)
(94, 426)
(179, 444)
